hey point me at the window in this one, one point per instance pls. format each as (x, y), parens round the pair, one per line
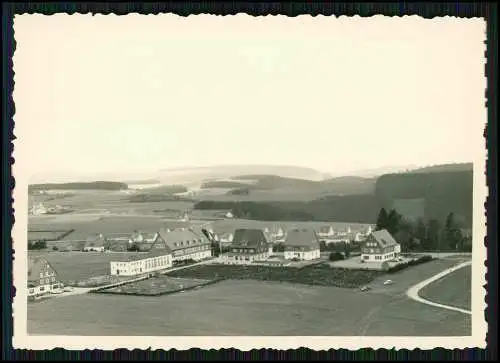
(42, 288)
(41, 274)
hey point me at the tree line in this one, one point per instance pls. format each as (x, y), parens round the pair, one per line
(433, 235)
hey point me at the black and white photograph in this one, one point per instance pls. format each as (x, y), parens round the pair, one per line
(249, 182)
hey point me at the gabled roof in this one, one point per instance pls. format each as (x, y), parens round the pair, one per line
(249, 238)
(35, 266)
(384, 238)
(95, 241)
(183, 238)
(302, 237)
(326, 229)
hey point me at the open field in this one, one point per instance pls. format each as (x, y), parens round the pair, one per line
(256, 308)
(156, 286)
(453, 289)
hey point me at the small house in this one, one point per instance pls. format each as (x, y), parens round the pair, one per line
(96, 243)
(302, 244)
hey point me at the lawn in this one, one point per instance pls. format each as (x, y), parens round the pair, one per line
(453, 289)
(237, 308)
(322, 275)
(156, 286)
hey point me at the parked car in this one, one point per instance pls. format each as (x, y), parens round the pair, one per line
(365, 288)
(388, 282)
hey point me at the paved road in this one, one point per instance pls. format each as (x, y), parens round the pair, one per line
(413, 291)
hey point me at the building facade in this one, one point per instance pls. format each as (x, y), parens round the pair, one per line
(187, 244)
(379, 246)
(158, 258)
(302, 244)
(42, 278)
(249, 245)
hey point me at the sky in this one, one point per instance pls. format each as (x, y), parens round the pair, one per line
(132, 93)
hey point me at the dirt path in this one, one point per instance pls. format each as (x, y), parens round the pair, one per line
(413, 291)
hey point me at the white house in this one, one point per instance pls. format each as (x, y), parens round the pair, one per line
(379, 246)
(42, 278)
(302, 244)
(158, 258)
(187, 244)
(325, 232)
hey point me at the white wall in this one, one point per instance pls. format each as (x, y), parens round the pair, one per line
(240, 259)
(132, 268)
(374, 257)
(306, 256)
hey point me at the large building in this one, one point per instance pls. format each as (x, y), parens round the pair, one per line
(42, 278)
(158, 258)
(379, 246)
(302, 244)
(248, 245)
(187, 244)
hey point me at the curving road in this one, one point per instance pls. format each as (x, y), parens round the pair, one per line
(413, 291)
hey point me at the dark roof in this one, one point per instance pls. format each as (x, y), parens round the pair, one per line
(384, 238)
(249, 238)
(302, 237)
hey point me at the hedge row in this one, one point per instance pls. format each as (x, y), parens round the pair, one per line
(410, 263)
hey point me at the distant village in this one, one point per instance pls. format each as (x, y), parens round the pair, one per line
(156, 252)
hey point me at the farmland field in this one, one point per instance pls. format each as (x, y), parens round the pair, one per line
(256, 308)
(453, 289)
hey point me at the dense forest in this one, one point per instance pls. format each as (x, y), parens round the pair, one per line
(440, 193)
(97, 185)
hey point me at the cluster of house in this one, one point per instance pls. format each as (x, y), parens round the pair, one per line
(161, 250)
(40, 209)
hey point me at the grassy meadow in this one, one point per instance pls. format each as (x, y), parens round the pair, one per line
(246, 307)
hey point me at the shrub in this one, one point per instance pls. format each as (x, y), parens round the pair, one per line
(336, 256)
(404, 265)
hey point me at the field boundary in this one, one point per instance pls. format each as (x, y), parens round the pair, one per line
(413, 292)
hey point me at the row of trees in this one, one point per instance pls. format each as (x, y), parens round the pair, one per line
(432, 235)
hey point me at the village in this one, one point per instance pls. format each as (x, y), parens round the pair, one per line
(154, 253)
